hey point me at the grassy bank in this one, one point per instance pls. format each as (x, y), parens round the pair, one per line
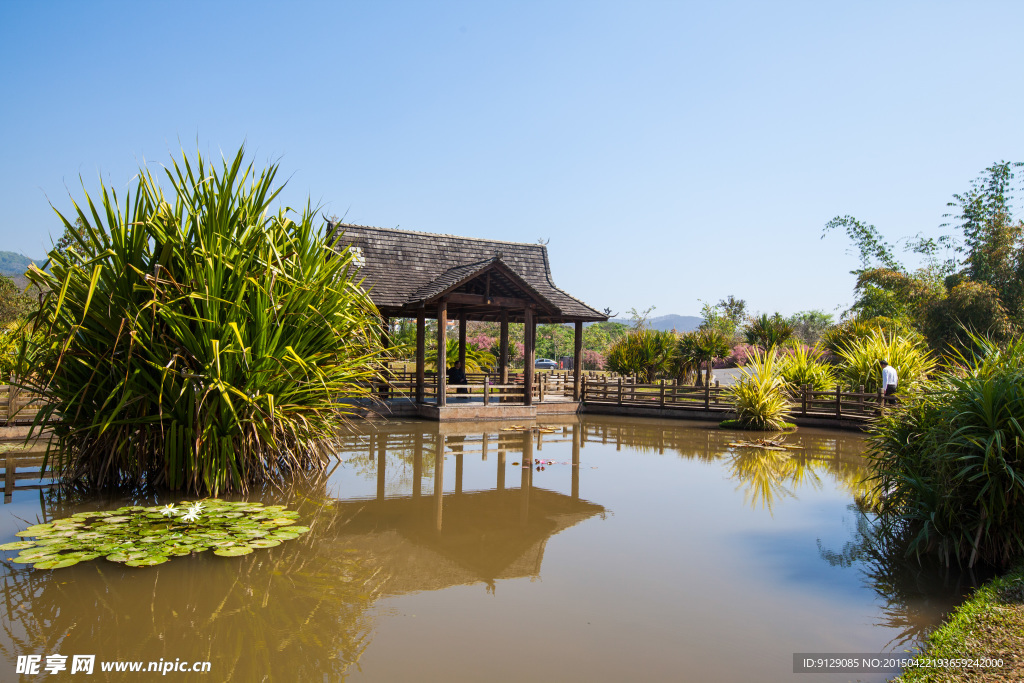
(989, 625)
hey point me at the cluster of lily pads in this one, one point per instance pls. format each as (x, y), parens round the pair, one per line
(142, 536)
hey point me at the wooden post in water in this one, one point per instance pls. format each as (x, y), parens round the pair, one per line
(576, 462)
(421, 344)
(620, 391)
(661, 398)
(487, 382)
(839, 401)
(501, 469)
(803, 399)
(417, 464)
(381, 464)
(458, 472)
(526, 482)
(438, 482)
(9, 470)
(860, 399)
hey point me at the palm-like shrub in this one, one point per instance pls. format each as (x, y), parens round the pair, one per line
(805, 365)
(768, 331)
(196, 340)
(477, 360)
(858, 361)
(694, 349)
(762, 399)
(949, 473)
(642, 352)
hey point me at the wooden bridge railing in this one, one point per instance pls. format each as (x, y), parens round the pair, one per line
(852, 405)
(16, 407)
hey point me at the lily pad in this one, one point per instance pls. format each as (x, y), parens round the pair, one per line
(264, 543)
(233, 551)
(18, 545)
(147, 561)
(57, 564)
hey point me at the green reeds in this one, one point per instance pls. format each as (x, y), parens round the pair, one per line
(949, 462)
(805, 366)
(859, 361)
(195, 340)
(762, 400)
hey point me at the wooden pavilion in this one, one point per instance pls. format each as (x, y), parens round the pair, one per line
(415, 275)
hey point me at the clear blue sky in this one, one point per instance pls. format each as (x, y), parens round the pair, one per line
(670, 151)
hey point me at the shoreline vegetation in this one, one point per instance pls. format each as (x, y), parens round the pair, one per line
(988, 625)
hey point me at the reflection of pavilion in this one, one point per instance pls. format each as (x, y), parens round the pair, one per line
(427, 542)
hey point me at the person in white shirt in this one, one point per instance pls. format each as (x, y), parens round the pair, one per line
(889, 378)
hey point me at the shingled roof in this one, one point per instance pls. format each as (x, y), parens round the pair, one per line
(406, 272)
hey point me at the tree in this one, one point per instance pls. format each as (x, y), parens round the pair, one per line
(14, 303)
(768, 331)
(808, 326)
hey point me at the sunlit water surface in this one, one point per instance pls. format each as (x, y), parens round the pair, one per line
(647, 550)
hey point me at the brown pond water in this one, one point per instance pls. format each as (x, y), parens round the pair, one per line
(433, 555)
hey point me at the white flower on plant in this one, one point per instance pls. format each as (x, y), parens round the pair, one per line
(196, 507)
(191, 516)
(169, 510)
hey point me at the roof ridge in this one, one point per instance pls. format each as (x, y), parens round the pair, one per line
(442, 234)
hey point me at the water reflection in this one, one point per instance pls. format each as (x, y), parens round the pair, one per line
(418, 507)
(285, 614)
(915, 593)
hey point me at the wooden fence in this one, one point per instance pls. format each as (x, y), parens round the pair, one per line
(623, 391)
(16, 407)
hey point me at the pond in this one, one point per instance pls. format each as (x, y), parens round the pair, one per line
(631, 550)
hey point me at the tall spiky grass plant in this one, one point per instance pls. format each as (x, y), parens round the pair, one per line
(194, 339)
(805, 365)
(761, 395)
(949, 462)
(858, 361)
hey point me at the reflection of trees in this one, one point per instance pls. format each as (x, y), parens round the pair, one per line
(915, 594)
(293, 612)
(764, 475)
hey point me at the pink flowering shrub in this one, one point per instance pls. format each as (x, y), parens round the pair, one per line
(592, 360)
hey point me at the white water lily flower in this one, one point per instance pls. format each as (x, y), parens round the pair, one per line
(191, 516)
(168, 510)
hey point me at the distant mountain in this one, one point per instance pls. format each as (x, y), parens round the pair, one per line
(12, 263)
(680, 323)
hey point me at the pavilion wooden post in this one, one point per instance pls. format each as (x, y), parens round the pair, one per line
(421, 343)
(385, 342)
(503, 351)
(462, 338)
(577, 361)
(442, 351)
(528, 359)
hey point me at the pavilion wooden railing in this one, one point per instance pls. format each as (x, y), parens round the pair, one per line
(622, 391)
(16, 407)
